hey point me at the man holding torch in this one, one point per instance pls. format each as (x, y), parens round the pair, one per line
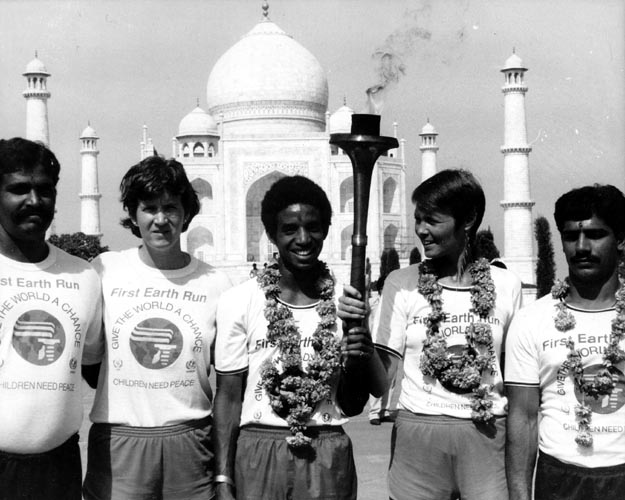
(286, 374)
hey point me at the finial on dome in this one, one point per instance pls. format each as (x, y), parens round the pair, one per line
(514, 50)
(197, 102)
(265, 11)
(88, 123)
(344, 101)
(428, 119)
(36, 54)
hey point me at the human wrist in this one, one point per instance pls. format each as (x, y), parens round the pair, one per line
(223, 479)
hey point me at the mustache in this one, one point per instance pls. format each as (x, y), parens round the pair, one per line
(584, 258)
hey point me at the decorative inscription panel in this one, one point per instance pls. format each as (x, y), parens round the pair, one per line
(257, 169)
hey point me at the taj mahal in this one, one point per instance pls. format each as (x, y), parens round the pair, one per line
(267, 116)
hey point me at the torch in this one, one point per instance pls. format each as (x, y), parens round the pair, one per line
(363, 145)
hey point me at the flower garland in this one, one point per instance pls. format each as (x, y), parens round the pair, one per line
(294, 393)
(465, 373)
(603, 381)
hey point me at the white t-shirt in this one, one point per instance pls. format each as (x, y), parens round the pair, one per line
(50, 316)
(242, 346)
(535, 351)
(159, 327)
(400, 329)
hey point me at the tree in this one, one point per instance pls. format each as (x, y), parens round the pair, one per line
(545, 265)
(389, 261)
(85, 246)
(485, 245)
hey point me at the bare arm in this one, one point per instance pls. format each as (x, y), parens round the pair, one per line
(227, 415)
(521, 440)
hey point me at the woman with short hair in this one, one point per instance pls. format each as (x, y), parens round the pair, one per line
(152, 415)
(446, 318)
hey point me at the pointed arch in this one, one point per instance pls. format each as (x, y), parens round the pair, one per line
(390, 236)
(205, 193)
(198, 150)
(347, 195)
(200, 243)
(258, 250)
(390, 198)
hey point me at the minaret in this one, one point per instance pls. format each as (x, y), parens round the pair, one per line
(428, 151)
(147, 148)
(37, 95)
(517, 204)
(89, 194)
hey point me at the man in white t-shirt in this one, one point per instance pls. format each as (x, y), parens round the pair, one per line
(50, 314)
(286, 377)
(565, 362)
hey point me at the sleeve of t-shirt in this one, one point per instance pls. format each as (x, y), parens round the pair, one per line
(389, 322)
(522, 366)
(93, 350)
(231, 354)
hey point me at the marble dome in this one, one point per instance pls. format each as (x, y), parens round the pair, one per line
(268, 74)
(197, 122)
(341, 120)
(428, 129)
(89, 133)
(36, 66)
(513, 62)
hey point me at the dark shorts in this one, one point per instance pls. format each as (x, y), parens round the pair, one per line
(53, 475)
(434, 457)
(556, 480)
(174, 462)
(267, 469)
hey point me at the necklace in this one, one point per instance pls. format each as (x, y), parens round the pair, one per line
(294, 392)
(603, 382)
(464, 373)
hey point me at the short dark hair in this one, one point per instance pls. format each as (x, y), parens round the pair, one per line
(453, 191)
(603, 201)
(289, 191)
(152, 177)
(21, 154)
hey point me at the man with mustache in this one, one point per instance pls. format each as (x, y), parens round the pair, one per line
(50, 313)
(565, 361)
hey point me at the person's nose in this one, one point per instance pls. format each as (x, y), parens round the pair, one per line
(33, 198)
(303, 236)
(582, 245)
(420, 228)
(160, 218)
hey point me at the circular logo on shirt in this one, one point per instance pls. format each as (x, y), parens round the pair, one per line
(610, 402)
(155, 343)
(38, 337)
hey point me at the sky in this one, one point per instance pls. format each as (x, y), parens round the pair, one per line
(120, 64)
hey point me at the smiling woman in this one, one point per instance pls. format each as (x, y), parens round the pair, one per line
(446, 318)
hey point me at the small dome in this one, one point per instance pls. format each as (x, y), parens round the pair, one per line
(341, 120)
(36, 66)
(197, 122)
(513, 62)
(428, 129)
(89, 133)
